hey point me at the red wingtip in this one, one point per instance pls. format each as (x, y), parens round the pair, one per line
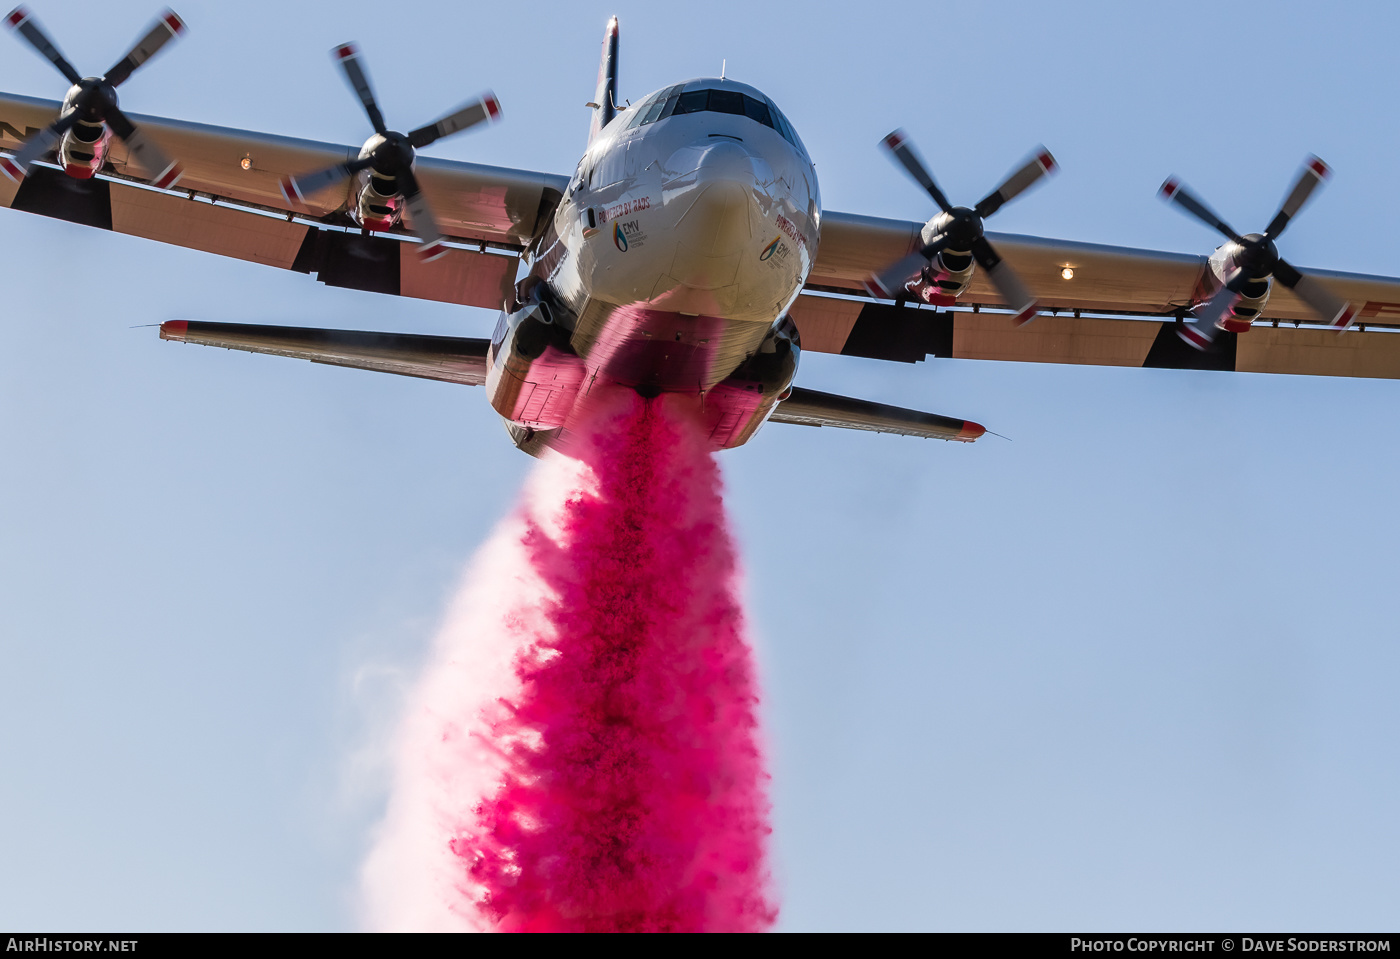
(173, 21)
(970, 432)
(17, 16)
(1170, 187)
(174, 330)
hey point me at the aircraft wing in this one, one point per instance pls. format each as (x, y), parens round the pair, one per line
(451, 359)
(221, 207)
(1136, 294)
(456, 359)
(812, 408)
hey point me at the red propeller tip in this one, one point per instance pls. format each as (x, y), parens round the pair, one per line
(431, 251)
(173, 21)
(1193, 337)
(17, 16)
(1047, 162)
(1320, 168)
(493, 106)
(289, 190)
(894, 140)
(167, 179)
(874, 288)
(1344, 319)
(1028, 314)
(346, 50)
(11, 169)
(1170, 187)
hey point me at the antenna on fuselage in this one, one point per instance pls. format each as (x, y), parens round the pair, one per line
(723, 65)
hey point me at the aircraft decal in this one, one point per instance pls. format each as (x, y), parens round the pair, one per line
(627, 234)
(792, 231)
(625, 208)
(768, 250)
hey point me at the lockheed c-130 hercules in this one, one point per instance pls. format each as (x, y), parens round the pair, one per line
(688, 253)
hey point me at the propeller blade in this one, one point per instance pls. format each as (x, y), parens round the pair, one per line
(1017, 183)
(889, 284)
(1313, 173)
(348, 56)
(1332, 309)
(297, 188)
(1009, 286)
(421, 219)
(1201, 331)
(167, 27)
(897, 143)
(17, 167)
(478, 111)
(21, 21)
(162, 170)
(1173, 192)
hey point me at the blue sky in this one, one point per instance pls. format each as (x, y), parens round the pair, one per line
(1132, 669)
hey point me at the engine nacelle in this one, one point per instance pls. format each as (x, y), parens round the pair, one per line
(378, 205)
(949, 273)
(83, 148)
(533, 374)
(1253, 298)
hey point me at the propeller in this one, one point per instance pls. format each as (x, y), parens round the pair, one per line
(93, 100)
(1257, 259)
(961, 228)
(390, 155)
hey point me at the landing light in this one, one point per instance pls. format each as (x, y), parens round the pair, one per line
(246, 163)
(1067, 273)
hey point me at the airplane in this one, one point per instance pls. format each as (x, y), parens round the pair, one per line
(688, 253)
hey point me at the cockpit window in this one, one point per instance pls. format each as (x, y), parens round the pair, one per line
(672, 102)
(649, 109)
(696, 101)
(780, 123)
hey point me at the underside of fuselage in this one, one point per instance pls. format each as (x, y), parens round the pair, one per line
(684, 236)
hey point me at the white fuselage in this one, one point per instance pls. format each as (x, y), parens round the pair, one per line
(682, 239)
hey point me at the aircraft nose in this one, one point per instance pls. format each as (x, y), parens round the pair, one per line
(711, 160)
(719, 194)
(722, 158)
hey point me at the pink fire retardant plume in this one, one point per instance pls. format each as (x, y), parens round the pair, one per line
(599, 766)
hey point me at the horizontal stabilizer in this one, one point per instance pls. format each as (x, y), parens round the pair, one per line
(811, 408)
(452, 359)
